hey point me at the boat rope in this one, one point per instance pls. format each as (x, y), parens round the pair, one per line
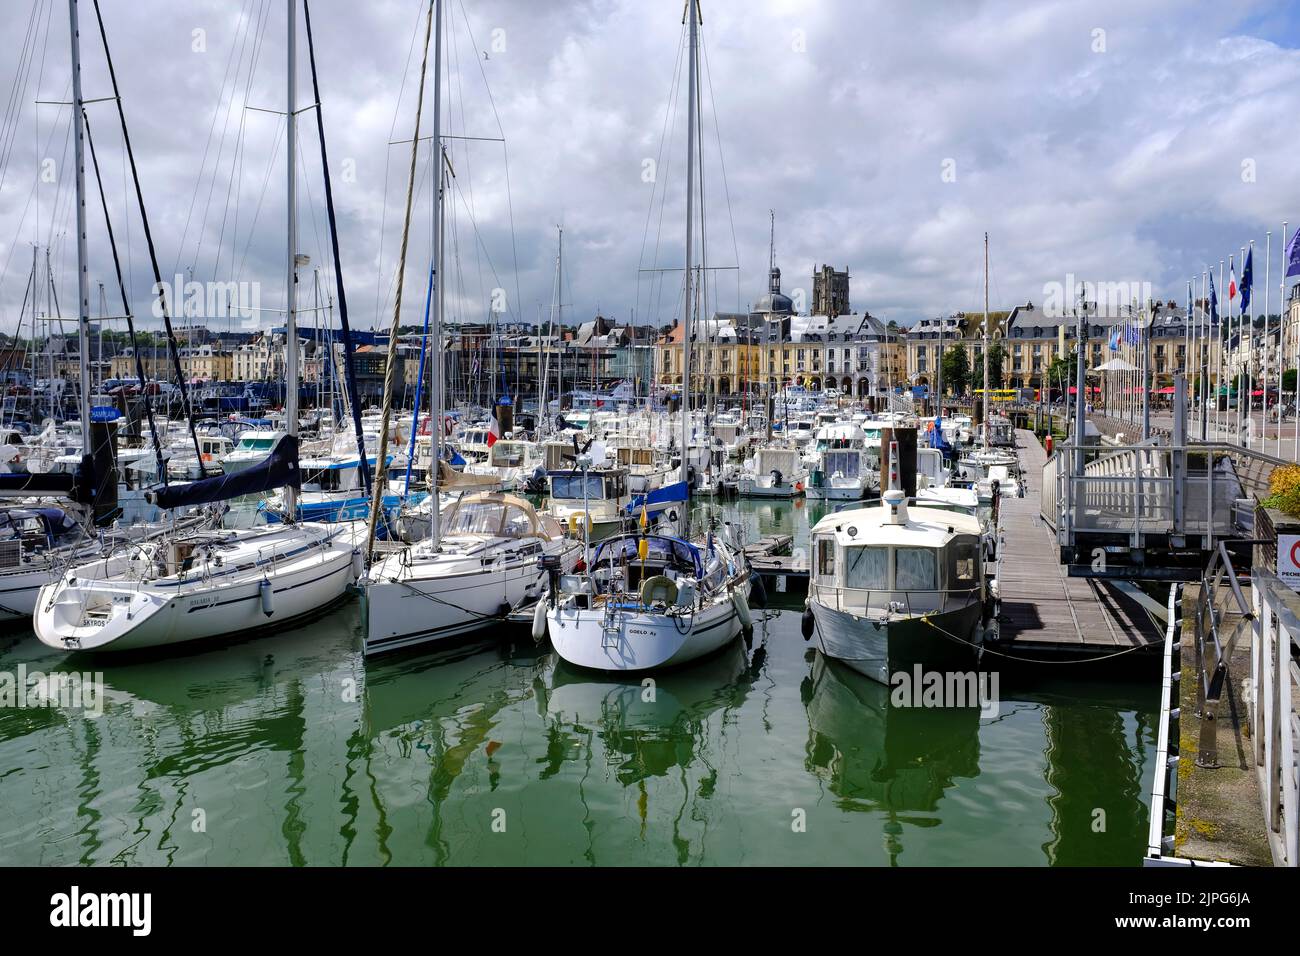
(983, 649)
(130, 319)
(349, 368)
(153, 254)
(390, 365)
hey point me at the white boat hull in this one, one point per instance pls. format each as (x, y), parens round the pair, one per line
(419, 610)
(636, 640)
(118, 614)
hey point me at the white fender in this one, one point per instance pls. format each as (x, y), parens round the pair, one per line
(268, 597)
(742, 609)
(358, 565)
(539, 619)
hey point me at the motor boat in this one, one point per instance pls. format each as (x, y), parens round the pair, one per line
(892, 586)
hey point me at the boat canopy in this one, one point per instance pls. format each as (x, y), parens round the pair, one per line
(663, 549)
(493, 514)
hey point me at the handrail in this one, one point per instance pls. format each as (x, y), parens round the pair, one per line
(1208, 622)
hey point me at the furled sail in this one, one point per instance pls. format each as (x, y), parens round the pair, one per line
(280, 468)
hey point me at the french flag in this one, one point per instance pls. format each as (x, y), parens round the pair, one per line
(1232, 283)
(494, 430)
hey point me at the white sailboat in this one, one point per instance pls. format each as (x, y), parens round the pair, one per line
(649, 601)
(482, 557)
(203, 584)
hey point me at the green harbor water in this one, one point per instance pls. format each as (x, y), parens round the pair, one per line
(291, 749)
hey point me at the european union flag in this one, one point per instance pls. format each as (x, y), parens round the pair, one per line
(1246, 273)
(1293, 256)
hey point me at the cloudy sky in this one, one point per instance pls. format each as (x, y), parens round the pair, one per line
(1114, 141)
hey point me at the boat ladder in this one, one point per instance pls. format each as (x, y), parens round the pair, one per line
(611, 626)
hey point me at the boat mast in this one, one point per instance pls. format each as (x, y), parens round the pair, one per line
(291, 264)
(692, 12)
(986, 341)
(83, 276)
(436, 384)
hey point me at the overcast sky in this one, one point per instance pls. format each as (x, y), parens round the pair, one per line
(1124, 141)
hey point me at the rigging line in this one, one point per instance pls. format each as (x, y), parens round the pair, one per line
(514, 249)
(722, 162)
(203, 164)
(261, 198)
(661, 279)
(17, 94)
(467, 171)
(242, 40)
(33, 195)
(148, 235)
(390, 365)
(667, 136)
(126, 309)
(241, 148)
(392, 131)
(350, 372)
(245, 31)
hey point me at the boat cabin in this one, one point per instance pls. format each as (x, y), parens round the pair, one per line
(895, 559)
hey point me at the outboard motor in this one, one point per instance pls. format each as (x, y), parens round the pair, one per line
(776, 478)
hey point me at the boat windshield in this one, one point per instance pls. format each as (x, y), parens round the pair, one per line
(570, 487)
(256, 444)
(494, 518)
(916, 569)
(866, 568)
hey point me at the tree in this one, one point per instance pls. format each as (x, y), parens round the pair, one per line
(956, 369)
(996, 356)
(1288, 380)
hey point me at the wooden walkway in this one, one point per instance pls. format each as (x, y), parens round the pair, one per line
(1044, 610)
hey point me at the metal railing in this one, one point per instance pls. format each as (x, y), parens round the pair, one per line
(1145, 489)
(1275, 726)
(929, 601)
(1213, 656)
(1166, 764)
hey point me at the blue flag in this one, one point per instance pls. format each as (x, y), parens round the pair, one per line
(1293, 256)
(1214, 301)
(1246, 273)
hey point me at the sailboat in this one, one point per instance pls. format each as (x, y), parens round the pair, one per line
(483, 556)
(654, 600)
(201, 584)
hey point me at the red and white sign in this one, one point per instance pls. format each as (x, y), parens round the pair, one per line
(1288, 560)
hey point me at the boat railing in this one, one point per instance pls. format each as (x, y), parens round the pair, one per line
(913, 602)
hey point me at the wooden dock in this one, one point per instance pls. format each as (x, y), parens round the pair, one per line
(1045, 612)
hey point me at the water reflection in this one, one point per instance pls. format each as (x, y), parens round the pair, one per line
(878, 757)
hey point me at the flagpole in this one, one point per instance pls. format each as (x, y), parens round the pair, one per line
(1203, 366)
(1222, 419)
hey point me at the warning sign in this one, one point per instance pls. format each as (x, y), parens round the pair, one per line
(1288, 560)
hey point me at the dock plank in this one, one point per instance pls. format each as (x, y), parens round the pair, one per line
(1042, 606)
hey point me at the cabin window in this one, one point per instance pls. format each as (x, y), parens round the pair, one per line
(964, 566)
(517, 523)
(475, 518)
(866, 568)
(570, 487)
(915, 569)
(826, 558)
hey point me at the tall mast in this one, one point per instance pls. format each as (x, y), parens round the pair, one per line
(83, 276)
(436, 374)
(291, 261)
(693, 13)
(986, 341)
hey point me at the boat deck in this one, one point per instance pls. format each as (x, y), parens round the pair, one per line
(1044, 610)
